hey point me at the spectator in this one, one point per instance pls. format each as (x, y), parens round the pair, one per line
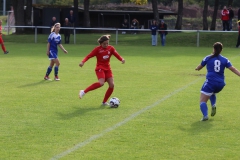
(125, 25)
(225, 18)
(67, 32)
(238, 41)
(231, 16)
(53, 22)
(163, 32)
(154, 29)
(134, 25)
(71, 19)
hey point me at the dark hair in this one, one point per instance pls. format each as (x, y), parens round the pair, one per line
(103, 38)
(217, 49)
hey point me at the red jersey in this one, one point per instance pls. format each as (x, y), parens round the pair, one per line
(225, 15)
(0, 31)
(103, 56)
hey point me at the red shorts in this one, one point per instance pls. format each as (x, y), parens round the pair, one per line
(1, 40)
(104, 74)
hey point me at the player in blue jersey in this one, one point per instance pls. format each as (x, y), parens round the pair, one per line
(54, 40)
(214, 83)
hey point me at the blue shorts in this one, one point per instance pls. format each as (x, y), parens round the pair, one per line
(212, 87)
(52, 55)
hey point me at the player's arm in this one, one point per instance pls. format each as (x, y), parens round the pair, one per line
(62, 48)
(90, 55)
(199, 67)
(115, 53)
(234, 70)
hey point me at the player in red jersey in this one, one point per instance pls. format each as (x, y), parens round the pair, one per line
(103, 53)
(1, 40)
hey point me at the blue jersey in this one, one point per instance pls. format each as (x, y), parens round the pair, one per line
(216, 67)
(54, 40)
(154, 29)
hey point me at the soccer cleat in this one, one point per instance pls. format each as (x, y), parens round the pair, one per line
(105, 104)
(47, 78)
(56, 78)
(214, 110)
(205, 118)
(6, 52)
(81, 94)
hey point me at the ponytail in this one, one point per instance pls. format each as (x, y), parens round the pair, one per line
(53, 27)
(217, 49)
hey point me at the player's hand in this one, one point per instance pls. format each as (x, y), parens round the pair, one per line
(123, 61)
(65, 51)
(47, 53)
(81, 64)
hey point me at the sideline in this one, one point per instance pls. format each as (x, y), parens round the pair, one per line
(94, 137)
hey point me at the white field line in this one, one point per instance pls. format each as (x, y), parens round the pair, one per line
(94, 137)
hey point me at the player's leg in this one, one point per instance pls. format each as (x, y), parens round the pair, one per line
(213, 99)
(203, 106)
(206, 92)
(3, 47)
(218, 87)
(49, 70)
(101, 80)
(110, 81)
(56, 68)
(109, 90)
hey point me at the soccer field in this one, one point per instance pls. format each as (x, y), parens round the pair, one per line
(158, 117)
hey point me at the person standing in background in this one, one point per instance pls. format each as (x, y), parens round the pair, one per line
(163, 33)
(71, 19)
(53, 22)
(125, 25)
(154, 29)
(67, 32)
(231, 16)
(225, 18)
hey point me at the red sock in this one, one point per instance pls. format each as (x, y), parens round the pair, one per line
(107, 94)
(92, 87)
(3, 48)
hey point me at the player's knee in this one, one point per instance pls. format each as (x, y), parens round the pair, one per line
(111, 85)
(101, 83)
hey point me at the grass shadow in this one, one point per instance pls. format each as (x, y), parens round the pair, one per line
(198, 127)
(35, 84)
(79, 112)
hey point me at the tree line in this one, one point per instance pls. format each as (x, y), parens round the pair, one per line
(25, 19)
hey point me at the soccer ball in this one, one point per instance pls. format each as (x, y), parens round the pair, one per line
(114, 102)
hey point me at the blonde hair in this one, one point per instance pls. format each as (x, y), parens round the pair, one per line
(103, 38)
(53, 27)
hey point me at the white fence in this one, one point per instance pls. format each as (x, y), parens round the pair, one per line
(116, 30)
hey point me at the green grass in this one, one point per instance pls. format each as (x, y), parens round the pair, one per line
(158, 117)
